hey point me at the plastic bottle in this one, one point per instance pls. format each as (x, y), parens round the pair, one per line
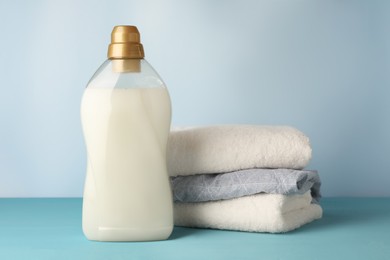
(126, 116)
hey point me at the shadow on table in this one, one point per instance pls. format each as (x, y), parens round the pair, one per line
(180, 232)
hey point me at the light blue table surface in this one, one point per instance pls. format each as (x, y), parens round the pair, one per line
(357, 228)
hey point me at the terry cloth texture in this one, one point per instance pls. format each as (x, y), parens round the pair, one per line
(228, 148)
(274, 213)
(209, 187)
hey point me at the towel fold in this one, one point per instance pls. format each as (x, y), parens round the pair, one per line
(272, 213)
(227, 148)
(209, 187)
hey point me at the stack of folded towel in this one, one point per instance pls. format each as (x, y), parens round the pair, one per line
(242, 177)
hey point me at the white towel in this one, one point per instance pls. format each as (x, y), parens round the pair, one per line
(272, 213)
(227, 148)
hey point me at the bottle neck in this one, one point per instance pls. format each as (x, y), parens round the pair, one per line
(126, 65)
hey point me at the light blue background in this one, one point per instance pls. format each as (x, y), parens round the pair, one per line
(320, 66)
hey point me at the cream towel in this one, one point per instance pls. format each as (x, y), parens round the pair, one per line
(272, 213)
(227, 148)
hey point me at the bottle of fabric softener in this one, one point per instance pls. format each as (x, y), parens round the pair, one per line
(126, 116)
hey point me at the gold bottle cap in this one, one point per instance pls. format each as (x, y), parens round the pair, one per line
(125, 43)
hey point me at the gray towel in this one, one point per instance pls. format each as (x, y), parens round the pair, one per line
(210, 187)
